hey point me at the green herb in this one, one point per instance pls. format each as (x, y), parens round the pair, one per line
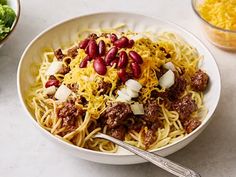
(3, 2)
(7, 17)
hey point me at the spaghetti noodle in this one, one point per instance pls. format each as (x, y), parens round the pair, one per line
(166, 115)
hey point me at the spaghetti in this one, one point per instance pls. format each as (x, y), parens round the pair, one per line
(94, 102)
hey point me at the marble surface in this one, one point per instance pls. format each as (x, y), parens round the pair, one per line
(25, 152)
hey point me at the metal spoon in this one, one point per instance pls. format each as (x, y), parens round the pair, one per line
(171, 167)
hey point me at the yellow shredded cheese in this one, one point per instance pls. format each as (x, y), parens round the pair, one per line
(221, 13)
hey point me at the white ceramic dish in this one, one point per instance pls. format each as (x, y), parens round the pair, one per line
(15, 5)
(66, 33)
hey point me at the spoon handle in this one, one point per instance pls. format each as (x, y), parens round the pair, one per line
(159, 161)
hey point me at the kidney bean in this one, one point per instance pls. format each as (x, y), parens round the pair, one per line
(84, 62)
(100, 66)
(123, 59)
(135, 57)
(115, 61)
(92, 49)
(83, 44)
(122, 42)
(113, 37)
(122, 74)
(136, 70)
(131, 43)
(111, 54)
(52, 82)
(101, 48)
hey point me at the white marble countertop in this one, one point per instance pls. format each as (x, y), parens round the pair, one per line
(24, 152)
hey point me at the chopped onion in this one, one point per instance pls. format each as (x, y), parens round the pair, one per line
(167, 80)
(121, 99)
(62, 93)
(169, 65)
(131, 93)
(54, 68)
(133, 85)
(123, 95)
(50, 90)
(137, 108)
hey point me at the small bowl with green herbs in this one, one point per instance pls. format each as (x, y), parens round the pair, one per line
(9, 15)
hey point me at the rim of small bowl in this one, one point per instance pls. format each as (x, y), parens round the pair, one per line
(18, 10)
(20, 96)
(193, 2)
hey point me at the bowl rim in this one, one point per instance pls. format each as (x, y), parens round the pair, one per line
(193, 3)
(14, 23)
(74, 147)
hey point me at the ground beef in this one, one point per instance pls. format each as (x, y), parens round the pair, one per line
(73, 52)
(149, 138)
(104, 87)
(155, 125)
(191, 124)
(151, 111)
(156, 94)
(81, 100)
(118, 132)
(185, 107)
(160, 72)
(64, 70)
(116, 113)
(174, 92)
(136, 126)
(93, 36)
(74, 87)
(199, 81)
(59, 55)
(69, 114)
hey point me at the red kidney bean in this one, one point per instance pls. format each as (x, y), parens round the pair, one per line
(123, 59)
(122, 42)
(86, 50)
(84, 62)
(115, 61)
(83, 44)
(113, 37)
(136, 70)
(101, 48)
(92, 49)
(131, 43)
(135, 57)
(122, 74)
(52, 82)
(111, 54)
(100, 66)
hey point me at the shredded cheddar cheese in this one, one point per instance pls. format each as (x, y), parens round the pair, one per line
(221, 13)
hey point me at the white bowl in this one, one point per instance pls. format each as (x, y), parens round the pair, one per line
(66, 32)
(15, 5)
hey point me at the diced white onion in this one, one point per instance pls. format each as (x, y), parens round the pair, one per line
(123, 95)
(121, 99)
(50, 90)
(62, 93)
(131, 93)
(167, 80)
(137, 108)
(54, 68)
(133, 85)
(169, 65)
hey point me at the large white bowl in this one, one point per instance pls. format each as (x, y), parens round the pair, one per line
(66, 32)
